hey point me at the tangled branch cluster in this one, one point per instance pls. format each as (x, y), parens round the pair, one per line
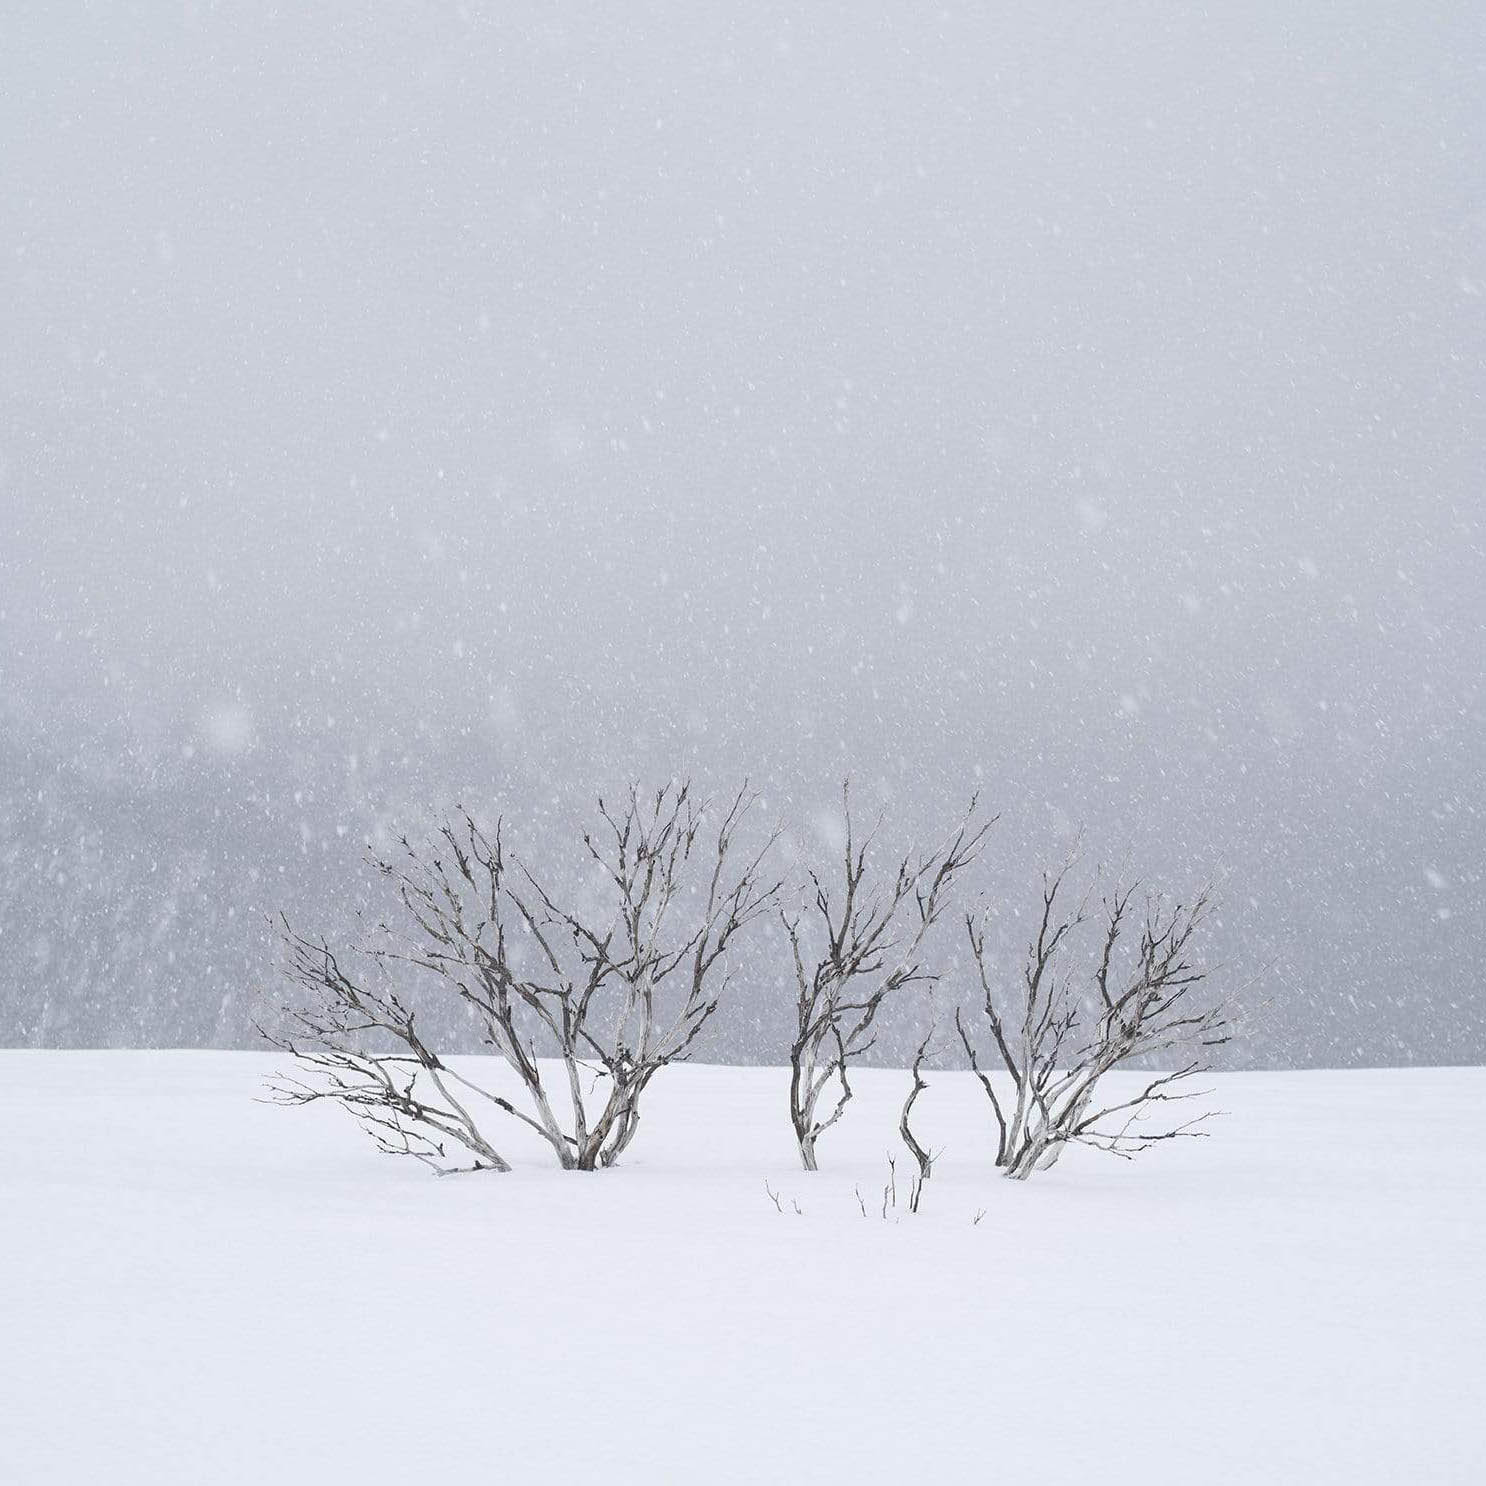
(612, 999)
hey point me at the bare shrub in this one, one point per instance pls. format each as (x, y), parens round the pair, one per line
(613, 993)
(1056, 1041)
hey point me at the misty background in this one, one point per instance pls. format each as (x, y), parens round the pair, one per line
(414, 404)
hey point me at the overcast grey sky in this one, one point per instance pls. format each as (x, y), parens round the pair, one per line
(1080, 403)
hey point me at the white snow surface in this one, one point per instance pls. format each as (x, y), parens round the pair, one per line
(199, 1288)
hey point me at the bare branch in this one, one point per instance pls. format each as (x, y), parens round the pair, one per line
(919, 1153)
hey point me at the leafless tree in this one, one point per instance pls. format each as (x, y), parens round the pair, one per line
(1056, 1042)
(868, 945)
(614, 993)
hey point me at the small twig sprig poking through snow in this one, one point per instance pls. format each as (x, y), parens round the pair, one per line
(890, 1210)
(778, 1202)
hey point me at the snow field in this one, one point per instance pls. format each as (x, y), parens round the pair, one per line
(199, 1288)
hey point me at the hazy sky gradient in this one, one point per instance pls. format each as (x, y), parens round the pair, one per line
(1080, 403)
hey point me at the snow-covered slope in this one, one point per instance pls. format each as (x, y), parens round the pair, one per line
(196, 1288)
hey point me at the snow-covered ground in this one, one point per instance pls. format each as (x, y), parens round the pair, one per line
(198, 1288)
